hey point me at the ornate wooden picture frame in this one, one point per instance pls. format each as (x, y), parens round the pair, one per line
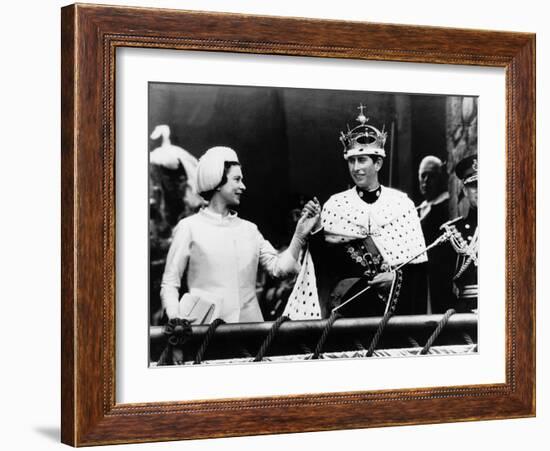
(90, 38)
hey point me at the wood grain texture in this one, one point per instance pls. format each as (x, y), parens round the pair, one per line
(67, 226)
(90, 36)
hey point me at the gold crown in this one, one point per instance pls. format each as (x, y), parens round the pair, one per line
(363, 139)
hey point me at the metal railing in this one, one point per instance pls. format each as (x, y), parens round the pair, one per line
(298, 337)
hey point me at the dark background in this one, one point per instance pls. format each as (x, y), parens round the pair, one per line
(288, 139)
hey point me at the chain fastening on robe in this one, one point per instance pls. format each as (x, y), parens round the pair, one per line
(365, 253)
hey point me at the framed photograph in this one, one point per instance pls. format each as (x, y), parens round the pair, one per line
(278, 225)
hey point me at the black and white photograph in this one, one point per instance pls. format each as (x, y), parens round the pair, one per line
(290, 224)
(250, 225)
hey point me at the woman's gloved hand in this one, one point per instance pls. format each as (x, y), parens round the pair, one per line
(309, 220)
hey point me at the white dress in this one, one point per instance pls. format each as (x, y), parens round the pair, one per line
(221, 255)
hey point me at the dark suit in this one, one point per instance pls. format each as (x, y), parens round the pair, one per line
(441, 259)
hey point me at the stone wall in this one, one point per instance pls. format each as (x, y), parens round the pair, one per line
(462, 121)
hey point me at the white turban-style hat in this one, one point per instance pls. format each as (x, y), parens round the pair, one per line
(211, 167)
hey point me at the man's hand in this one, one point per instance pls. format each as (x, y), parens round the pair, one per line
(382, 281)
(310, 219)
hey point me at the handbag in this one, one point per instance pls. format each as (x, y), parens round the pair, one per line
(197, 307)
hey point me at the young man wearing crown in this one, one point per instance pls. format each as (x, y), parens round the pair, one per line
(368, 252)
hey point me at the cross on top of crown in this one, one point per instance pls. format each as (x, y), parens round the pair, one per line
(362, 118)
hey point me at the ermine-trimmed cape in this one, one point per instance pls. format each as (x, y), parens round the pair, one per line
(393, 223)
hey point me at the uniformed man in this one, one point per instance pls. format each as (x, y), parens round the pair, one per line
(465, 278)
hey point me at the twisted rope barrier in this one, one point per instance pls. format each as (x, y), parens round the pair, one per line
(437, 331)
(206, 340)
(326, 330)
(270, 336)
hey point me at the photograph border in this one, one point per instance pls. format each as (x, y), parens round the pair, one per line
(90, 36)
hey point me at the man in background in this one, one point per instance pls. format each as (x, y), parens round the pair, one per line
(433, 212)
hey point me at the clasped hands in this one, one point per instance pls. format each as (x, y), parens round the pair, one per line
(310, 219)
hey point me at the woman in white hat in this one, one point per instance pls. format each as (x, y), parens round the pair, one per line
(220, 252)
